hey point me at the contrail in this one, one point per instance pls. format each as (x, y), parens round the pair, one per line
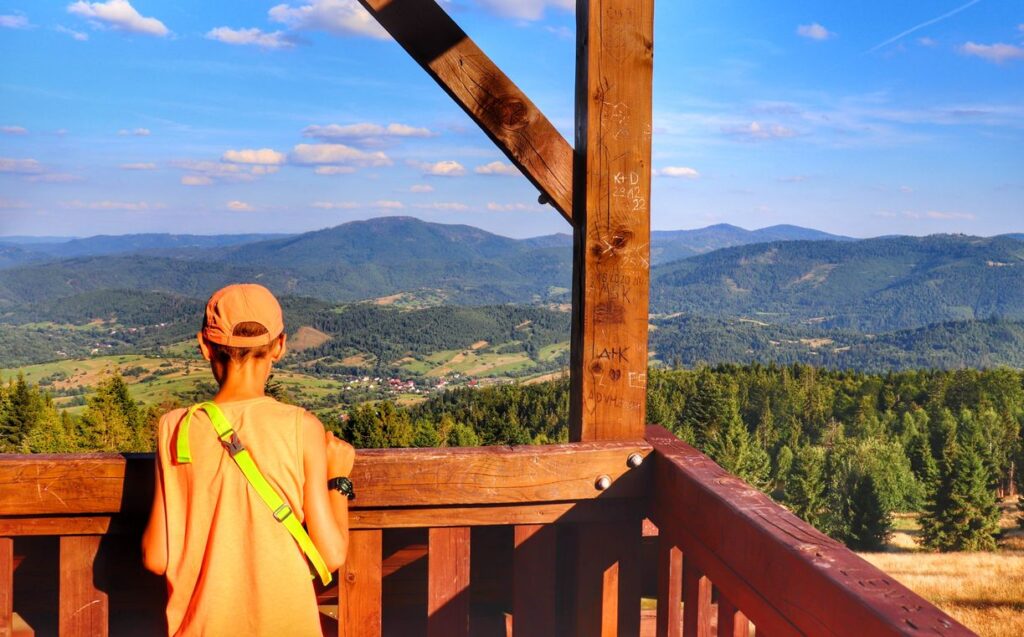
(923, 25)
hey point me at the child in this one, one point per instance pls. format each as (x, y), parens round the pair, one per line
(231, 567)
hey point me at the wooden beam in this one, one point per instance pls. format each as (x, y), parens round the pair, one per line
(83, 607)
(487, 95)
(448, 582)
(670, 589)
(611, 212)
(533, 586)
(360, 610)
(788, 577)
(88, 484)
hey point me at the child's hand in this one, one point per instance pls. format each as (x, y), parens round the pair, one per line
(340, 456)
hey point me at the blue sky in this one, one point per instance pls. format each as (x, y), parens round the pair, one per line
(864, 118)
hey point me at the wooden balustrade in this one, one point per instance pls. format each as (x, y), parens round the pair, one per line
(430, 552)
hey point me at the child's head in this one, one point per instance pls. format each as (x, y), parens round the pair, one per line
(243, 323)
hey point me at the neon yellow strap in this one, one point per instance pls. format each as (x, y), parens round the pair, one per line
(278, 507)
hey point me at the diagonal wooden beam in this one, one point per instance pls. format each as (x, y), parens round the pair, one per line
(487, 95)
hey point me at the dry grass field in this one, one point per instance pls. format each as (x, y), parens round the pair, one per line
(983, 591)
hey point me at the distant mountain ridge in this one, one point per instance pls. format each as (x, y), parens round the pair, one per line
(872, 285)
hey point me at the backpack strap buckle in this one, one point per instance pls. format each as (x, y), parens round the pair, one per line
(282, 512)
(232, 443)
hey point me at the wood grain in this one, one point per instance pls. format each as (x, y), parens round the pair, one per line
(488, 96)
(448, 582)
(360, 610)
(744, 542)
(611, 213)
(83, 607)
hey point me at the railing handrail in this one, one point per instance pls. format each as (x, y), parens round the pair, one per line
(786, 576)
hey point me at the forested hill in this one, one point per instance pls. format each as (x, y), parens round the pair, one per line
(872, 285)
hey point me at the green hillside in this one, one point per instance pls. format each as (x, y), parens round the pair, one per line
(884, 284)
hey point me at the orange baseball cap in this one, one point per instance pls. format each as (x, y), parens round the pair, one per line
(241, 303)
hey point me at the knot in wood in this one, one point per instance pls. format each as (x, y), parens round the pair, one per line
(596, 367)
(511, 112)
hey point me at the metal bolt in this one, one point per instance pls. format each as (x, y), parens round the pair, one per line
(543, 199)
(634, 460)
(603, 482)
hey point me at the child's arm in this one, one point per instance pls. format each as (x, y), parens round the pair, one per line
(326, 513)
(154, 539)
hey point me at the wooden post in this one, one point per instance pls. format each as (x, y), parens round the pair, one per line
(670, 589)
(360, 588)
(533, 587)
(448, 582)
(731, 622)
(6, 587)
(611, 219)
(696, 602)
(83, 607)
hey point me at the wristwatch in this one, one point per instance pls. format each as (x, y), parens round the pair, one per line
(343, 486)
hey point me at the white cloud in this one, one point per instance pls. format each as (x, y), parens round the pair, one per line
(14, 130)
(446, 206)
(54, 178)
(997, 53)
(11, 204)
(793, 179)
(525, 9)
(77, 35)
(264, 156)
(421, 188)
(497, 168)
(238, 206)
(338, 17)
(336, 154)
(446, 168)
(940, 215)
(364, 133)
(906, 189)
(814, 31)
(118, 14)
(679, 172)
(756, 131)
(20, 166)
(336, 205)
(135, 206)
(510, 207)
(196, 180)
(253, 37)
(139, 166)
(134, 132)
(14, 21)
(926, 41)
(388, 204)
(334, 170)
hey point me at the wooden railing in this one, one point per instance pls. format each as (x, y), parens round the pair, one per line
(529, 540)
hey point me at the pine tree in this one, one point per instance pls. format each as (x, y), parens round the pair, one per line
(22, 410)
(961, 513)
(870, 520)
(805, 488)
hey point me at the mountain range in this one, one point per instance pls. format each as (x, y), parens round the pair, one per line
(799, 276)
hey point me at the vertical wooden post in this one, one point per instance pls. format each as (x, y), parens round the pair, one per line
(670, 589)
(448, 582)
(533, 586)
(611, 219)
(360, 592)
(731, 622)
(83, 607)
(696, 602)
(611, 268)
(6, 587)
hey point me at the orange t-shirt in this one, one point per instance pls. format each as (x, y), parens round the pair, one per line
(232, 569)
